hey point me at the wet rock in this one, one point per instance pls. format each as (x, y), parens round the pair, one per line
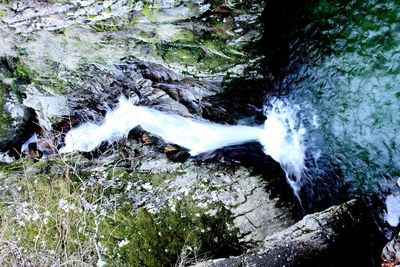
(5, 158)
(344, 235)
(391, 252)
(87, 94)
(74, 49)
(146, 206)
(96, 89)
(49, 109)
(174, 55)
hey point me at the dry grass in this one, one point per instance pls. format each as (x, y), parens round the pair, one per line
(49, 215)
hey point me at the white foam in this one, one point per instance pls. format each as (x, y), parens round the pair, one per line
(392, 214)
(281, 137)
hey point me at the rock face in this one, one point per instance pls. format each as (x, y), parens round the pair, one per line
(138, 201)
(215, 205)
(13, 115)
(196, 37)
(342, 235)
(13, 118)
(147, 84)
(90, 92)
(255, 212)
(66, 52)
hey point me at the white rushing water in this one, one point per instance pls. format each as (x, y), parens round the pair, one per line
(392, 214)
(281, 136)
(392, 202)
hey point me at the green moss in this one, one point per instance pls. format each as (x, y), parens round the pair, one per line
(157, 179)
(3, 92)
(17, 165)
(47, 207)
(118, 173)
(19, 72)
(89, 16)
(131, 3)
(184, 36)
(105, 26)
(182, 55)
(150, 12)
(157, 239)
(41, 212)
(209, 53)
(147, 11)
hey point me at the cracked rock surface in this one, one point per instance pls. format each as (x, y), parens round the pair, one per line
(254, 211)
(342, 235)
(195, 37)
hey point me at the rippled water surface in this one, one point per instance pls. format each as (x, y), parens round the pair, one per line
(347, 67)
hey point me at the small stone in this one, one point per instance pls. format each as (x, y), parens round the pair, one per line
(169, 148)
(147, 140)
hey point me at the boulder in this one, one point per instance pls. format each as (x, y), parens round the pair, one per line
(343, 235)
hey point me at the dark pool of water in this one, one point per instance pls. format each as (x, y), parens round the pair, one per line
(341, 61)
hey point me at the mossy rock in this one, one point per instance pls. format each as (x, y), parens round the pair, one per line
(57, 209)
(11, 117)
(13, 76)
(146, 239)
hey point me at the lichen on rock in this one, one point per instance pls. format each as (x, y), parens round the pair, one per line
(130, 210)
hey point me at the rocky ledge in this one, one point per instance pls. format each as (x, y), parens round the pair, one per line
(344, 235)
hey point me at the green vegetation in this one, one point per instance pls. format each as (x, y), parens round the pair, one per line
(105, 26)
(73, 211)
(145, 239)
(20, 72)
(60, 211)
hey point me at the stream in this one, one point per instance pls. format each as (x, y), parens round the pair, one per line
(310, 89)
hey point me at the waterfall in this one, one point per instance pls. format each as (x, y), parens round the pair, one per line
(281, 135)
(392, 214)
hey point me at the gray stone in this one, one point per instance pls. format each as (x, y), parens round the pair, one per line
(256, 214)
(344, 235)
(48, 108)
